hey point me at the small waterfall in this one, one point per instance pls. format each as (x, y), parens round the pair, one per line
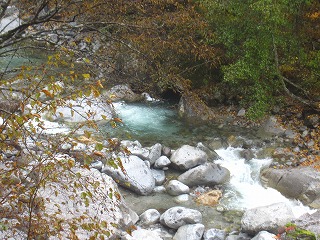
(244, 190)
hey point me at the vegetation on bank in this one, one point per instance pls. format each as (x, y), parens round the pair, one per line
(248, 53)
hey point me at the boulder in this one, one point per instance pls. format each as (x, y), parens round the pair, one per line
(209, 174)
(214, 234)
(272, 126)
(135, 175)
(176, 217)
(175, 188)
(162, 162)
(187, 157)
(149, 217)
(140, 234)
(301, 183)
(159, 176)
(190, 232)
(210, 198)
(155, 153)
(310, 222)
(122, 93)
(269, 218)
(136, 149)
(264, 235)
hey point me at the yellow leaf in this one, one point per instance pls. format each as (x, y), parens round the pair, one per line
(47, 93)
(86, 75)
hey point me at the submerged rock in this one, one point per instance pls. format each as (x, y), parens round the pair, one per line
(187, 157)
(269, 218)
(176, 217)
(137, 176)
(210, 198)
(209, 174)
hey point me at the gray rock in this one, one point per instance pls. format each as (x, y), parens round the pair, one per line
(175, 188)
(301, 183)
(247, 154)
(159, 189)
(190, 232)
(310, 222)
(187, 157)
(97, 165)
(136, 149)
(137, 176)
(209, 174)
(166, 151)
(162, 162)
(214, 234)
(264, 235)
(149, 217)
(269, 218)
(181, 198)
(155, 153)
(271, 126)
(212, 155)
(241, 113)
(122, 93)
(140, 234)
(176, 217)
(159, 176)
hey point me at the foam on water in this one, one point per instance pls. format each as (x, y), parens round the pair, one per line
(244, 190)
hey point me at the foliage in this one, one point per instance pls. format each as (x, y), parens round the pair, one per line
(269, 46)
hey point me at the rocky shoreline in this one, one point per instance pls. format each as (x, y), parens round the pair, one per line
(142, 170)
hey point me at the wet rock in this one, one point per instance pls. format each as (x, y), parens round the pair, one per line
(209, 174)
(212, 155)
(264, 235)
(301, 183)
(175, 188)
(137, 177)
(155, 153)
(159, 176)
(162, 162)
(214, 234)
(149, 217)
(210, 198)
(247, 154)
(268, 218)
(187, 157)
(176, 217)
(190, 232)
(310, 222)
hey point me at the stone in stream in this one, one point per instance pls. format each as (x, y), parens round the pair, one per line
(187, 157)
(209, 174)
(136, 149)
(301, 183)
(267, 218)
(190, 232)
(175, 188)
(137, 176)
(162, 162)
(149, 217)
(214, 234)
(264, 235)
(159, 176)
(155, 153)
(176, 217)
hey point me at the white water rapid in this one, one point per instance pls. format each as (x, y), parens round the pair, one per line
(244, 190)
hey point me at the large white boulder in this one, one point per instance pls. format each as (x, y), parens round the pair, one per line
(134, 175)
(176, 217)
(190, 232)
(269, 218)
(187, 157)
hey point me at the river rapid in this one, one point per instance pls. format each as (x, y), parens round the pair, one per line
(158, 123)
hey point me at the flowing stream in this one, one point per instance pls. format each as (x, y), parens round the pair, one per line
(154, 123)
